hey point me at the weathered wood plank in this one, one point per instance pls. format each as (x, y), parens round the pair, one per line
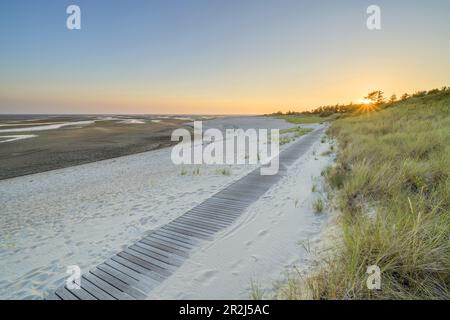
(94, 290)
(129, 276)
(81, 293)
(172, 239)
(65, 294)
(187, 231)
(106, 286)
(167, 243)
(138, 268)
(171, 258)
(144, 262)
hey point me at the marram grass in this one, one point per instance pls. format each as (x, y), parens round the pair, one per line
(391, 184)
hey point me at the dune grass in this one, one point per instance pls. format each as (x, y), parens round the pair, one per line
(391, 184)
(318, 206)
(297, 131)
(291, 134)
(225, 171)
(305, 119)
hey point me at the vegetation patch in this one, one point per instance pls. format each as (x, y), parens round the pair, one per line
(391, 183)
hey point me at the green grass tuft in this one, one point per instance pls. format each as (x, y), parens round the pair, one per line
(318, 206)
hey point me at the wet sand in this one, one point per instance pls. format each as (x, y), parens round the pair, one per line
(87, 140)
(81, 215)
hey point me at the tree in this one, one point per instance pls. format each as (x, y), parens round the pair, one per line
(393, 98)
(376, 97)
(405, 96)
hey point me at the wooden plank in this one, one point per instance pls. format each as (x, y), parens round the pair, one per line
(134, 258)
(176, 260)
(195, 227)
(168, 243)
(229, 204)
(186, 239)
(200, 222)
(153, 259)
(150, 255)
(96, 277)
(198, 216)
(217, 211)
(219, 207)
(95, 291)
(188, 232)
(172, 239)
(65, 294)
(242, 191)
(238, 195)
(165, 245)
(242, 200)
(210, 222)
(128, 276)
(206, 216)
(137, 268)
(81, 293)
(214, 214)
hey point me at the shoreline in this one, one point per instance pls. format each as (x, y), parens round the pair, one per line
(81, 215)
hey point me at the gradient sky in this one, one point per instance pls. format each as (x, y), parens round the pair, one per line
(215, 56)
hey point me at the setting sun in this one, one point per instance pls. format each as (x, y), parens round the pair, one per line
(365, 101)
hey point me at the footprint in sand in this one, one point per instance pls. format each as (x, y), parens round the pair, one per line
(262, 233)
(235, 268)
(207, 276)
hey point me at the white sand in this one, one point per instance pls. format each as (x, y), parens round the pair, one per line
(82, 215)
(262, 244)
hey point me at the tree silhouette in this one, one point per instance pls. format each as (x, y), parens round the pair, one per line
(376, 97)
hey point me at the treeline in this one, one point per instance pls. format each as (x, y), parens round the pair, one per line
(373, 99)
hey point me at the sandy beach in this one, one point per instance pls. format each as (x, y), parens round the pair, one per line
(274, 236)
(83, 214)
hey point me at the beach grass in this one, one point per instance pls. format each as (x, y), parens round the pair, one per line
(318, 206)
(297, 131)
(256, 292)
(391, 184)
(305, 119)
(225, 171)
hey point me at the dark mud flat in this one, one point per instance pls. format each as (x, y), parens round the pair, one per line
(70, 146)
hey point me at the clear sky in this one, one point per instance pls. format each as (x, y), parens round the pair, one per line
(215, 56)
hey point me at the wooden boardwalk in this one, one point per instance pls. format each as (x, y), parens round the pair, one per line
(135, 271)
